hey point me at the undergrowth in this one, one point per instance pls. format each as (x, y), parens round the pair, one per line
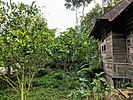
(48, 84)
(53, 84)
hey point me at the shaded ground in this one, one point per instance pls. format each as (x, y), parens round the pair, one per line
(115, 96)
(124, 94)
(53, 85)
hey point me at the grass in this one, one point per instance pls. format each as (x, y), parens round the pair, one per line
(47, 85)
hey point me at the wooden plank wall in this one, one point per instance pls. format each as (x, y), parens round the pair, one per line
(129, 20)
(107, 55)
(130, 71)
(119, 48)
(129, 36)
(109, 46)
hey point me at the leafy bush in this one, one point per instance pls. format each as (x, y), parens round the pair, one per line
(96, 90)
(58, 75)
(128, 84)
(41, 72)
(23, 39)
(57, 79)
(26, 39)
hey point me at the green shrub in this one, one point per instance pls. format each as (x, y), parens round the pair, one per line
(41, 72)
(96, 90)
(128, 84)
(59, 75)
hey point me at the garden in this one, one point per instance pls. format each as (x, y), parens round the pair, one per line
(43, 66)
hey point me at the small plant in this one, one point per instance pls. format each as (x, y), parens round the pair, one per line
(128, 84)
(58, 75)
(99, 87)
(41, 72)
(96, 90)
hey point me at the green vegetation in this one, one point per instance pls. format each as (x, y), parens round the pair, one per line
(47, 67)
(55, 84)
(51, 85)
(22, 32)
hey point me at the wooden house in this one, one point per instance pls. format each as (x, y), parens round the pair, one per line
(114, 31)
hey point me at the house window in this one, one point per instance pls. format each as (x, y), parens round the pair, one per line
(130, 49)
(103, 48)
(102, 40)
(129, 32)
(128, 42)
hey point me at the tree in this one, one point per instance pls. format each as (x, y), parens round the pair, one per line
(90, 18)
(73, 49)
(84, 3)
(76, 4)
(23, 38)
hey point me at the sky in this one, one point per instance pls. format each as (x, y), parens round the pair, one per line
(56, 14)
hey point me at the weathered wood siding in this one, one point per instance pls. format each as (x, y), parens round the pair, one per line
(106, 45)
(109, 46)
(109, 54)
(129, 19)
(119, 48)
(119, 41)
(115, 34)
(129, 41)
(130, 71)
(129, 36)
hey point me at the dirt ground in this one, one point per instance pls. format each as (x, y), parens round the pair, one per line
(115, 96)
(126, 94)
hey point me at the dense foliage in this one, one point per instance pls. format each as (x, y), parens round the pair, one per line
(52, 84)
(27, 44)
(91, 17)
(55, 84)
(74, 49)
(23, 37)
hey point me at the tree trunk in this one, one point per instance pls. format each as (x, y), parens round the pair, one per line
(22, 91)
(83, 10)
(76, 14)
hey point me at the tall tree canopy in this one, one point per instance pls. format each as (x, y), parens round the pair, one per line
(76, 4)
(90, 18)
